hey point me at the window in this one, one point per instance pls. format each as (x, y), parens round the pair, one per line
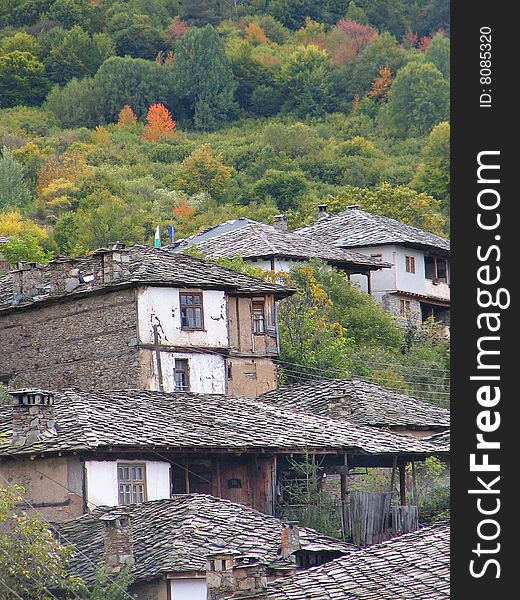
(181, 374)
(191, 311)
(131, 481)
(404, 308)
(410, 264)
(436, 268)
(258, 315)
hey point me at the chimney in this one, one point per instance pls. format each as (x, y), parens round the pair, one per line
(290, 539)
(280, 222)
(118, 539)
(233, 575)
(114, 264)
(322, 211)
(27, 281)
(33, 417)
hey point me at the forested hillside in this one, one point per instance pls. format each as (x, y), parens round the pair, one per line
(119, 115)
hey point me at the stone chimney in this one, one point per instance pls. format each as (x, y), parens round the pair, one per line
(280, 222)
(33, 417)
(117, 534)
(290, 539)
(114, 264)
(27, 281)
(233, 575)
(322, 211)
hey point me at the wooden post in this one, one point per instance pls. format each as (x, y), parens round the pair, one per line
(217, 477)
(402, 483)
(158, 358)
(414, 484)
(344, 497)
(187, 477)
(369, 283)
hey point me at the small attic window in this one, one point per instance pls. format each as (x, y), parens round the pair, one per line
(234, 483)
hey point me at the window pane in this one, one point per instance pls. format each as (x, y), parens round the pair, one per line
(441, 269)
(429, 265)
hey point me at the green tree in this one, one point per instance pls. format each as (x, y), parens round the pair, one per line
(309, 338)
(14, 192)
(433, 172)
(138, 38)
(203, 171)
(22, 79)
(75, 104)
(133, 81)
(293, 13)
(200, 12)
(204, 78)
(78, 54)
(438, 53)
(382, 51)
(418, 100)
(306, 80)
(21, 41)
(32, 561)
(285, 188)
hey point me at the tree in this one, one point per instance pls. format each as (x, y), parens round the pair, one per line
(359, 35)
(433, 172)
(309, 338)
(21, 41)
(285, 188)
(75, 104)
(203, 77)
(438, 53)
(32, 561)
(381, 51)
(159, 124)
(126, 117)
(26, 239)
(139, 39)
(78, 54)
(14, 192)
(306, 80)
(381, 86)
(418, 100)
(133, 81)
(204, 171)
(22, 79)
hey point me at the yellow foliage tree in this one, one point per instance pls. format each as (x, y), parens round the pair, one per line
(126, 117)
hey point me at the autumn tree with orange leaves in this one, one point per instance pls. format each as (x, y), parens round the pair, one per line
(381, 85)
(159, 123)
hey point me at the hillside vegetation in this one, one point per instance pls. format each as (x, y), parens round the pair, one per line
(119, 115)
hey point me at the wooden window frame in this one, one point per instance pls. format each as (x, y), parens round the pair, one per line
(259, 324)
(185, 361)
(141, 482)
(193, 306)
(436, 278)
(410, 264)
(404, 307)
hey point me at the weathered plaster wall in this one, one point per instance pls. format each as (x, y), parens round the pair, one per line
(251, 377)
(54, 486)
(86, 342)
(102, 487)
(161, 306)
(207, 372)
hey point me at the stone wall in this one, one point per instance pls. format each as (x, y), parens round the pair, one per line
(87, 342)
(391, 303)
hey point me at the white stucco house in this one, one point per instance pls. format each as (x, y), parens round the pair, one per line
(274, 248)
(417, 285)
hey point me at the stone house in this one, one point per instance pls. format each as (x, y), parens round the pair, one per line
(180, 548)
(414, 565)
(418, 284)
(138, 317)
(274, 248)
(364, 403)
(73, 450)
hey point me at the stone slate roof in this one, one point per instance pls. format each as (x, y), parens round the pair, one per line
(3, 239)
(176, 535)
(414, 566)
(145, 266)
(129, 419)
(441, 439)
(360, 402)
(356, 228)
(259, 240)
